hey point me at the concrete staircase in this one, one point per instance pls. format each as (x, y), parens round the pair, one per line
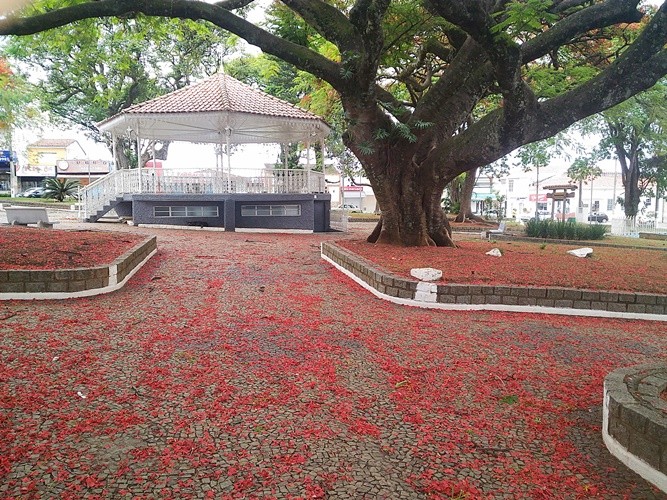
(110, 205)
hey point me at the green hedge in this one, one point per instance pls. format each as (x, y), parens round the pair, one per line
(564, 230)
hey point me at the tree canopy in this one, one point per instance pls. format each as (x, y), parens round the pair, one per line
(95, 68)
(434, 88)
(633, 132)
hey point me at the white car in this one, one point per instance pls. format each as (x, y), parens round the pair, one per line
(541, 215)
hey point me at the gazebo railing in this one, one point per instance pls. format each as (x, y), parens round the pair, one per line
(172, 181)
(175, 181)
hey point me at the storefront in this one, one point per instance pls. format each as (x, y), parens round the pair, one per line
(5, 165)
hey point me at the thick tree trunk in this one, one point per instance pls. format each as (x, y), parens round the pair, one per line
(630, 176)
(411, 211)
(632, 198)
(466, 195)
(160, 154)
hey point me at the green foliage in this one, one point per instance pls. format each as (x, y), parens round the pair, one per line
(633, 132)
(539, 154)
(509, 399)
(528, 16)
(59, 189)
(584, 170)
(15, 97)
(404, 132)
(559, 230)
(95, 68)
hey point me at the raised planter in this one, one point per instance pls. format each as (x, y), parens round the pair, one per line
(78, 282)
(653, 236)
(548, 300)
(634, 420)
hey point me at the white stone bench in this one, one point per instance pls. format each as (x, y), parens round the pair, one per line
(23, 216)
(491, 232)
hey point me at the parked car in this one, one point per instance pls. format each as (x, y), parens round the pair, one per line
(351, 208)
(596, 217)
(541, 215)
(34, 192)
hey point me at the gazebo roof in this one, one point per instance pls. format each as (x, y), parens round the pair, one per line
(217, 106)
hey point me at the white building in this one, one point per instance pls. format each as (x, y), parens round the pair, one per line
(525, 194)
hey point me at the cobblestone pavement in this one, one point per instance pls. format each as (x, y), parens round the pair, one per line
(238, 365)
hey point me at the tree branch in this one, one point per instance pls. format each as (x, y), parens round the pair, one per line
(233, 4)
(596, 16)
(328, 21)
(640, 67)
(301, 57)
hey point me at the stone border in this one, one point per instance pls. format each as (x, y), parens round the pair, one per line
(544, 300)
(79, 282)
(509, 236)
(634, 420)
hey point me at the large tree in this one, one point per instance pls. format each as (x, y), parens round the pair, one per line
(411, 73)
(634, 132)
(95, 68)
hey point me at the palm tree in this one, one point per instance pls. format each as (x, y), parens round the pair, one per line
(59, 189)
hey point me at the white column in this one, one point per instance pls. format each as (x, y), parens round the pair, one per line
(139, 173)
(308, 166)
(229, 158)
(113, 151)
(324, 168)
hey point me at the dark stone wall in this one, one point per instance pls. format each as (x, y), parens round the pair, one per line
(310, 219)
(142, 209)
(303, 222)
(124, 209)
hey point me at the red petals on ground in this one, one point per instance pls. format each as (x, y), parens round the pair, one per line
(29, 248)
(526, 263)
(246, 367)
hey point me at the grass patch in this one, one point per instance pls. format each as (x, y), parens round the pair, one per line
(49, 201)
(564, 230)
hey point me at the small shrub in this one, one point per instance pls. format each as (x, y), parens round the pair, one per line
(558, 230)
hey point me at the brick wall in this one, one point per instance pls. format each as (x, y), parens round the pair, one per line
(396, 286)
(636, 418)
(67, 281)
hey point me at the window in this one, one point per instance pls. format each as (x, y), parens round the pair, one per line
(270, 210)
(510, 186)
(610, 205)
(186, 211)
(596, 206)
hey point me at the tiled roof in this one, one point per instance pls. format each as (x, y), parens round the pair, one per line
(52, 143)
(217, 93)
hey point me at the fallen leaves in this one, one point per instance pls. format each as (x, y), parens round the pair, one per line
(30, 248)
(525, 263)
(268, 375)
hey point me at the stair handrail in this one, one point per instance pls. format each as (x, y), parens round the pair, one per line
(102, 191)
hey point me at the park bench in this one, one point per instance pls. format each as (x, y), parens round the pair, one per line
(28, 215)
(491, 232)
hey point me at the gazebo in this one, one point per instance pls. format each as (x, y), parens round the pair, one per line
(224, 111)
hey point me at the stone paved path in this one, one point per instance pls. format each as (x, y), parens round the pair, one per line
(242, 366)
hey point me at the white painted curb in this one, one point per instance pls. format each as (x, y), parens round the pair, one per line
(628, 459)
(113, 286)
(429, 304)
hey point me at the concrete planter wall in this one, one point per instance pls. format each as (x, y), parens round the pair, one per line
(79, 282)
(634, 426)
(550, 300)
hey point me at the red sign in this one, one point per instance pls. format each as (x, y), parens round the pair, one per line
(353, 188)
(542, 198)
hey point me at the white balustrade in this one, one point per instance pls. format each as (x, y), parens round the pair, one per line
(174, 181)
